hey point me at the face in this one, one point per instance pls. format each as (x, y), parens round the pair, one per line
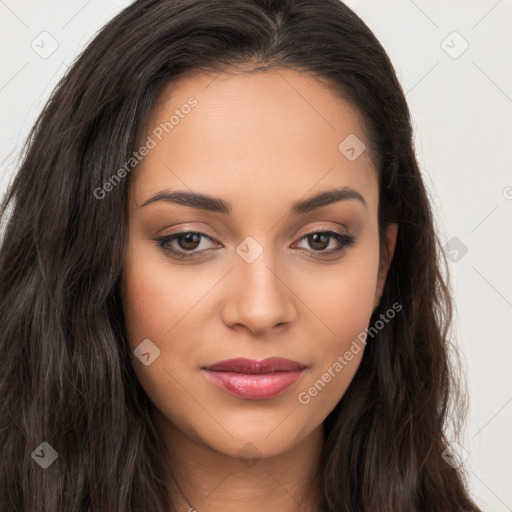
(259, 272)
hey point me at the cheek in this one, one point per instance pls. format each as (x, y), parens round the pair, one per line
(155, 299)
(344, 304)
(348, 302)
(156, 303)
(143, 305)
(163, 303)
(345, 295)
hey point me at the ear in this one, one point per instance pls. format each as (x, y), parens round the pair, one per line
(386, 257)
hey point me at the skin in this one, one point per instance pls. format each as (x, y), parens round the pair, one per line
(261, 142)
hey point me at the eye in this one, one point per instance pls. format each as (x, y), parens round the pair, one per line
(183, 244)
(189, 244)
(320, 241)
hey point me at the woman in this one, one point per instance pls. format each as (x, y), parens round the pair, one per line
(221, 286)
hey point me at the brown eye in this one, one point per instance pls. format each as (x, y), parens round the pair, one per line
(185, 244)
(189, 241)
(319, 241)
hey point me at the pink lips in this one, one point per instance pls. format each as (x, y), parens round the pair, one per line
(256, 380)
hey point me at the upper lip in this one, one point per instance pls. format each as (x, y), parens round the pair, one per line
(250, 366)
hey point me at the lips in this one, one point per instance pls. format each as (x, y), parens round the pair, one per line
(256, 380)
(249, 366)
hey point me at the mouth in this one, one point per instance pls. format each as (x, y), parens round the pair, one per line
(254, 380)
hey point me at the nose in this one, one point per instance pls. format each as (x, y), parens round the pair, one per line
(258, 298)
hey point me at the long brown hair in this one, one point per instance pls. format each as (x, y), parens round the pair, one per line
(65, 371)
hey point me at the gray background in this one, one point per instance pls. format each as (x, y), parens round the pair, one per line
(461, 102)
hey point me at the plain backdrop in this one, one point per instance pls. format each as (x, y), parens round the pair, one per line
(454, 61)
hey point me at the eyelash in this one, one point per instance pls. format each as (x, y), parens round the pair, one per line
(347, 241)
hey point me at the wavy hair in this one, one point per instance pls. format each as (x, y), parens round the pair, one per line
(65, 374)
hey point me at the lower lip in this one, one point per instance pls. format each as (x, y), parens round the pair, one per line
(253, 386)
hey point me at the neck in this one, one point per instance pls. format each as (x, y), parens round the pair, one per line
(208, 481)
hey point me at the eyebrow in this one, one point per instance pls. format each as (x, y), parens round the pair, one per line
(217, 205)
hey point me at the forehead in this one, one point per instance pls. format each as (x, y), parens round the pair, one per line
(278, 130)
